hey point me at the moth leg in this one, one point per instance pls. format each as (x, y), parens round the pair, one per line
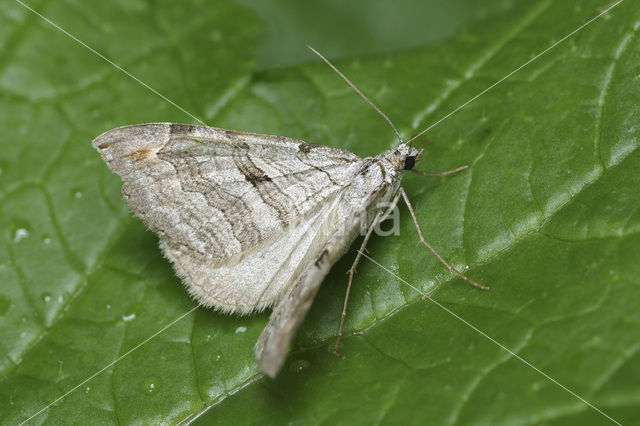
(448, 172)
(382, 215)
(424, 241)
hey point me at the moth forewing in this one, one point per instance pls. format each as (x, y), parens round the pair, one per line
(223, 219)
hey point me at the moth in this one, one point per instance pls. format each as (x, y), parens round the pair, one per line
(254, 221)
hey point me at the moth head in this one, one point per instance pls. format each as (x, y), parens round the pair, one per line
(405, 157)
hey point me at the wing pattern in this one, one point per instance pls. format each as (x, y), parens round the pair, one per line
(217, 197)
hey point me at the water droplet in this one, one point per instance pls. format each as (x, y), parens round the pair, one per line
(60, 299)
(76, 193)
(108, 306)
(298, 366)
(218, 357)
(46, 239)
(241, 329)
(46, 297)
(20, 234)
(87, 389)
(127, 318)
(18, 229)
(150, 385)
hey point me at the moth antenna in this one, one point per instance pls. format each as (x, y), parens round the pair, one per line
(353, 86)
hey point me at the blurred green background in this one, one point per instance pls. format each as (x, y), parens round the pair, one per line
(355, 28)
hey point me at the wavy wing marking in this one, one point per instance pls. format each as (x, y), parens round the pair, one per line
(216, 197)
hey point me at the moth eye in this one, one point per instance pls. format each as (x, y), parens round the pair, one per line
(409, 162)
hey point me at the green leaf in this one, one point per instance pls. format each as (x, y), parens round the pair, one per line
(548, 215)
